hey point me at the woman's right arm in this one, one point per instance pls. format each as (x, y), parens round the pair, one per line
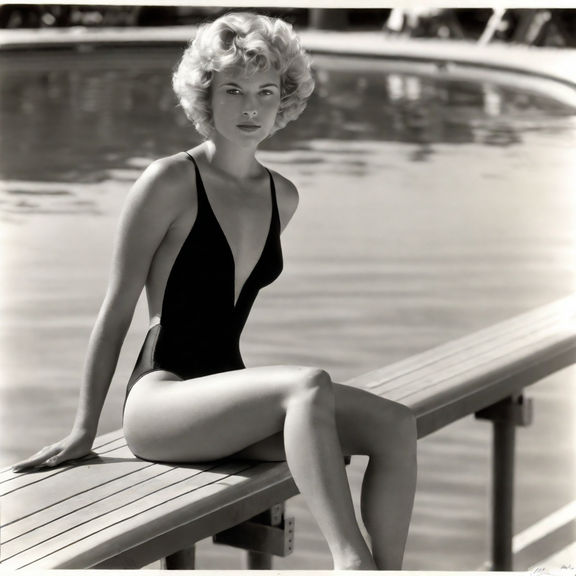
(148, 213)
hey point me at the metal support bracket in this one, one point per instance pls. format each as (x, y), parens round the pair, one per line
(269, 533)
(517, 410)
(505, 417)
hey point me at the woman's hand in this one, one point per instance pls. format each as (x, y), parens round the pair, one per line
(75, 445)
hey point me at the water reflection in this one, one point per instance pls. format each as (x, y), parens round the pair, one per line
(76, 117)
(26, 198)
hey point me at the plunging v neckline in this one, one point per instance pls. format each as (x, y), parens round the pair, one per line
(229, 246)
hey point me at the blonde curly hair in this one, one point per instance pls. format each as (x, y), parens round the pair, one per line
(253, 42)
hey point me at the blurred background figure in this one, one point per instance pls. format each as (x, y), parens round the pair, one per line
(534, 27)
(531, 27)
(417, 22)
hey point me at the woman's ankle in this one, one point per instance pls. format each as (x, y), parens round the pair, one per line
(354, 561)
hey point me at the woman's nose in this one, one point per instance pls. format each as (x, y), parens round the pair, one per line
(250, 114)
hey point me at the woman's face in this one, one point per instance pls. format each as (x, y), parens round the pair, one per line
(244, 107)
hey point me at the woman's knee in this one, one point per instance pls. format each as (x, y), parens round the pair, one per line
(312, 383)
(315, 380)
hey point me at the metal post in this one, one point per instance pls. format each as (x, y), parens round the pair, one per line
(505, 416)
(181, 560)
(259, 560)
(504, 440)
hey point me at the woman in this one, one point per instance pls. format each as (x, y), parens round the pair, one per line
(201, 232)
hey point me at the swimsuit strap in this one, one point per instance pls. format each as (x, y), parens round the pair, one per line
(200, 190)
(275, 213)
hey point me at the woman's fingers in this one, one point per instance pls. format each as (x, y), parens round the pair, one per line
(44, 455)
(59, 458)
(72, 447)
(33, 461)
(52, 456)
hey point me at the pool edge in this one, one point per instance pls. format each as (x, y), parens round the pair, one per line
(556, 64)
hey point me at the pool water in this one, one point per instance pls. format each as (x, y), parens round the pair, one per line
(430, 208)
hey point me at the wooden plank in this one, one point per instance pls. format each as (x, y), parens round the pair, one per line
(559, 312)
(551, 316)
(147, 507)
(494, 371)
(497, 347)
(486, 373)
(160, 485)
(457, 379)
(434, 413)
(503, 356)
(266, 485)
(461, 364)
(79, 483)
(35, 506)
(41, 516)
(193, 510)
(14, 481)
(103, 441)
(88, 472)
(15, 525)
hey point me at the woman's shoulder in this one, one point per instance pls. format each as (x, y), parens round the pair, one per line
(173, 171)
(166, 181)
(163, 193)
(286, 191)
(286, 196)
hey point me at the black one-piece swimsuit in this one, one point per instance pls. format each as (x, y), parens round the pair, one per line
(200, 326)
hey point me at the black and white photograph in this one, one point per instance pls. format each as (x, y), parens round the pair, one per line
(288, 286)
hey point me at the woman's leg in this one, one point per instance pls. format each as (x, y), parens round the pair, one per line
(386, 432)
(216, 416)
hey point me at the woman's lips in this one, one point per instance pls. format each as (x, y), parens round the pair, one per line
(249, 127)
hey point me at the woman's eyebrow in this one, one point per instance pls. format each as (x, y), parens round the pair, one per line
(234, 85)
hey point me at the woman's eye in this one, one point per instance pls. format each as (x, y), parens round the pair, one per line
(232, 91)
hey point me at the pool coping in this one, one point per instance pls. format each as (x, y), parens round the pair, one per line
(556, 64)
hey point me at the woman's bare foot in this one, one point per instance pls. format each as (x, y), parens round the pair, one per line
(355, 562)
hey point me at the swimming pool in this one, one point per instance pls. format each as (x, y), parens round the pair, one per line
(430, 207)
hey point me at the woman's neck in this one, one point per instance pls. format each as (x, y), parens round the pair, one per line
(235, 161)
